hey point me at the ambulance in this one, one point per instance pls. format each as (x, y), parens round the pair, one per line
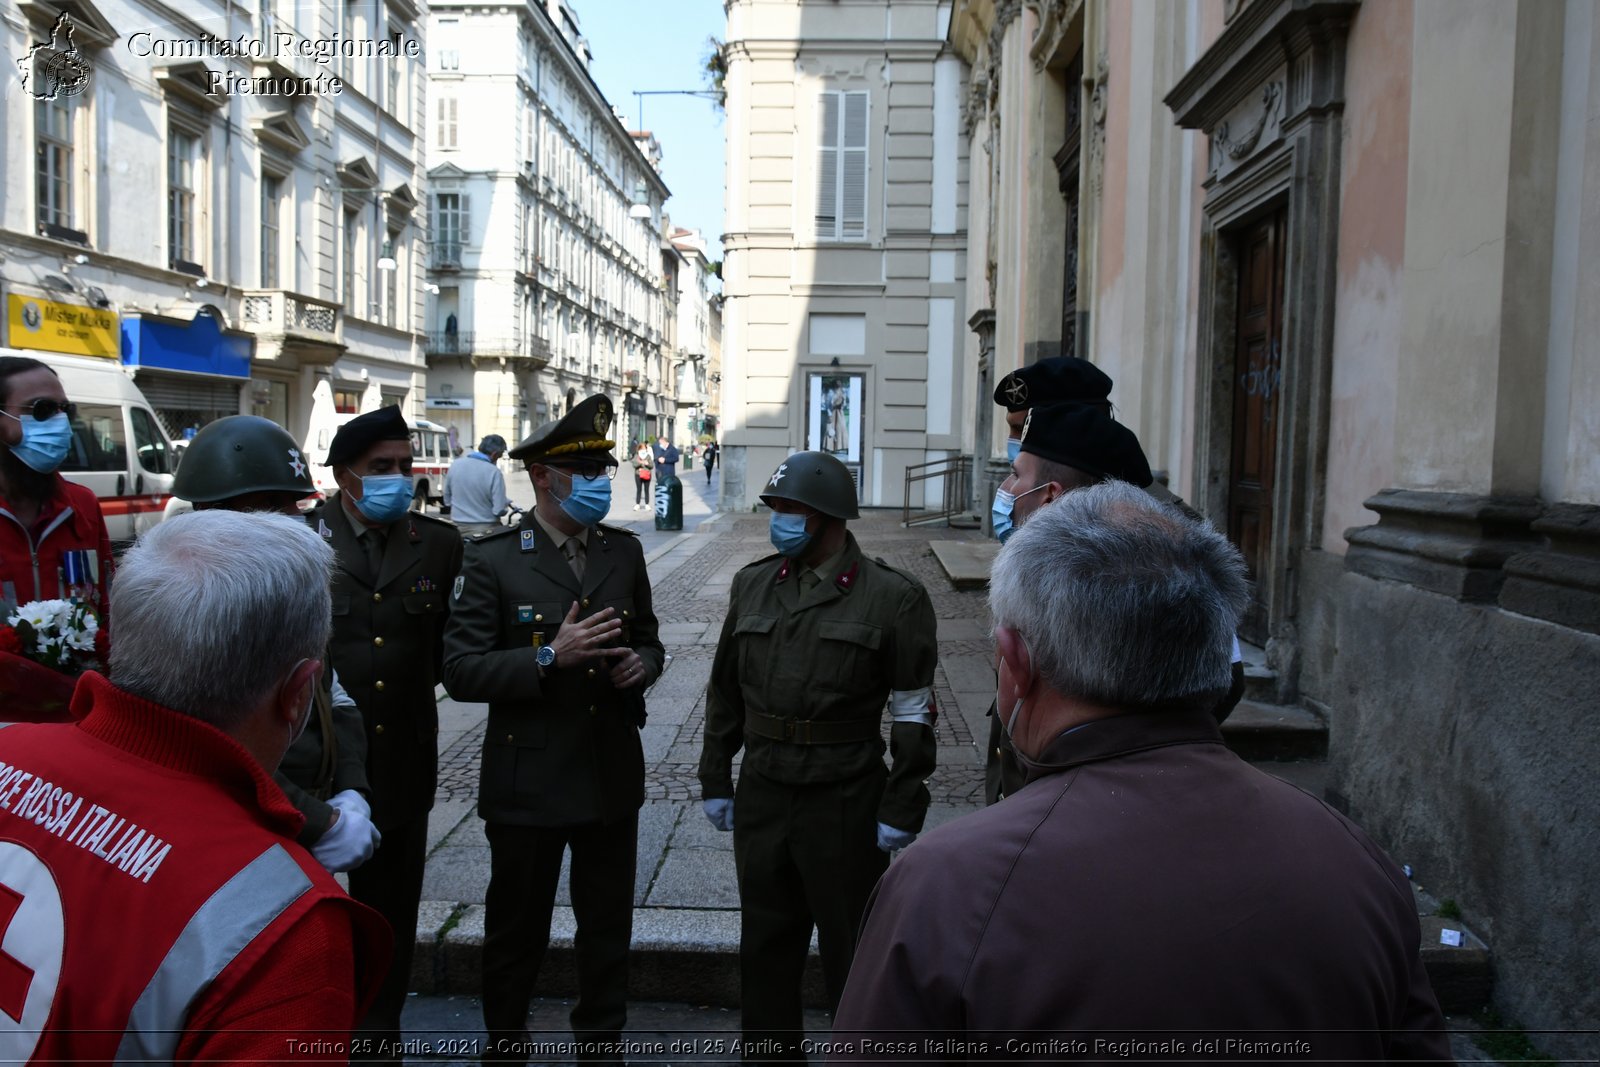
(119, 449)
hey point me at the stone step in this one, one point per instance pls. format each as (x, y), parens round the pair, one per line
(1274, 732)
(1462, 975)
(1260, 680)
(966, 563)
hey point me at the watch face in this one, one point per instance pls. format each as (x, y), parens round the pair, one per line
(547, 655)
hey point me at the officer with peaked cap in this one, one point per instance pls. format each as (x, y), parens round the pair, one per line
(247, 463)
(551, 623)
(390, 601)
(817, 640)
(1063, 447)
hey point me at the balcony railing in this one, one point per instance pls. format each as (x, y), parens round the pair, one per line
(448, 343)
(446, 255)
(278, 311)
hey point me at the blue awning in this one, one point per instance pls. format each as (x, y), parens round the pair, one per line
(194, 346)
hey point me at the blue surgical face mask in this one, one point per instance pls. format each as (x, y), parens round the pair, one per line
(1000, 512)
(788, 533)
(1013, 449)
(588, 499)
(385, 498)
(44, 445)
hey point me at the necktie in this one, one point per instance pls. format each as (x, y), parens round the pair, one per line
(572, 548)
(373, 542)
(809, 580)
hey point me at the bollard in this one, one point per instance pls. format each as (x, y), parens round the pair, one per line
(669, 503)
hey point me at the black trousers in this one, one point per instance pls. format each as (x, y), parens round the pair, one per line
(524, 871)
(806, 855)
(391, 883)
(641, 490)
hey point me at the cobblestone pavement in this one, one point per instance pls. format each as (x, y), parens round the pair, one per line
(691, 602)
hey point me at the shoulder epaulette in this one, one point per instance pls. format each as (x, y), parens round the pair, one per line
(608, 528)
(487, 534)
(763, 559)
(432, 519)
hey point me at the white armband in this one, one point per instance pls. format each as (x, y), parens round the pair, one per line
(341, 698)
(1238, 656)
(912, 705)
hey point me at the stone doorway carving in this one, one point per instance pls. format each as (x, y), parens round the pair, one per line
(1269, 93)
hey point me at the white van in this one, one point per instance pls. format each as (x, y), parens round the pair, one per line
(119, 449)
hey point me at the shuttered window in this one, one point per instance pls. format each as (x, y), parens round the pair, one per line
(842, 166)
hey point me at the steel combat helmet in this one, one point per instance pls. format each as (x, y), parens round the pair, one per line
(816, 480)
(241, 454)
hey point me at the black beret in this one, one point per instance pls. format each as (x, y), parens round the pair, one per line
(1084, 437)
(581, 434)
(364, 431)
(1053, 381)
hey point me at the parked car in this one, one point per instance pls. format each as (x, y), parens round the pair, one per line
(119, 449)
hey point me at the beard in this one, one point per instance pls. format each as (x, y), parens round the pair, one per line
(22, 482)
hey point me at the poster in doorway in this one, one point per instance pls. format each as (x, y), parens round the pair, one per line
(834, 419)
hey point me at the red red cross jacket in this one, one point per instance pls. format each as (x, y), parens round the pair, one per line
(30, 560)
(154, 905)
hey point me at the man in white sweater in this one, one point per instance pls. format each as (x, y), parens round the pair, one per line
(475, 490)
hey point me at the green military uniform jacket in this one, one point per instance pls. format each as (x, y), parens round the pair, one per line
(314, 769)
(387, 644)
(562, 750)
(831, 656)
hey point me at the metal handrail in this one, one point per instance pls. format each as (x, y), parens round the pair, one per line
(956, 473)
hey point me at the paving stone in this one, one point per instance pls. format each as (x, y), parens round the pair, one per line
(432, 915)
(696, 878)
(460, 874)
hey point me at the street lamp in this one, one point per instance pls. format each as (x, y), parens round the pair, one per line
(641, 202)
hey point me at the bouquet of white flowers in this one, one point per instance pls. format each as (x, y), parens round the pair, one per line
(59, 634)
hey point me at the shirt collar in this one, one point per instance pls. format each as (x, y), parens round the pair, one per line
(557, 537)
(1121, 735)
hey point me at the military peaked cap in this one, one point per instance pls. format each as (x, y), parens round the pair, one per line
(1053, 381)
(364, 431)
(1084, 437)
(582, 434)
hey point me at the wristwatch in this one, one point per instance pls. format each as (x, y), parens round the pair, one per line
(546, 657)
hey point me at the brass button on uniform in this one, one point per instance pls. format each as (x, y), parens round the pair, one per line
(377, 598)
(509, 739)
(591, 672)
(626, 614)
(378, 729)
(538, 618)
(378, 641)
(585, 601)
(378, 685)
(593, 709)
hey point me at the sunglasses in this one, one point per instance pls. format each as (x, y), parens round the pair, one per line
(44, 408)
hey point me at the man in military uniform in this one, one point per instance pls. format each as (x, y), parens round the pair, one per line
(1065, 447)
(390, 601)
(247, 463)
(551, 623)
(817, 640)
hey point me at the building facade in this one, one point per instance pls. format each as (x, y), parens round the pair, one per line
(544, 272)
(249, 233)
(1339, 258)
(845, 254)
(689, 276)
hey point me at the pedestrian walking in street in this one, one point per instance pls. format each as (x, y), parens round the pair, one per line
(42, 515)
(710, 454)
(390, 601)
(551, 624)
(248, 463)
(1146, 886)
(475, 490)
(158, 907)
(643, 468)
(817, 640)
(666, 460)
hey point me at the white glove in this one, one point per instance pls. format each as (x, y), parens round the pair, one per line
(720, 812)
(352, 838)
(893, 840)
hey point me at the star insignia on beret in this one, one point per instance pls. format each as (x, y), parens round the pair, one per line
(295, 465)
(1017, 390)
(778, 477)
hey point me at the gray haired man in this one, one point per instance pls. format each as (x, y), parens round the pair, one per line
(475, 489)
(1146, 889)
(164, 912)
